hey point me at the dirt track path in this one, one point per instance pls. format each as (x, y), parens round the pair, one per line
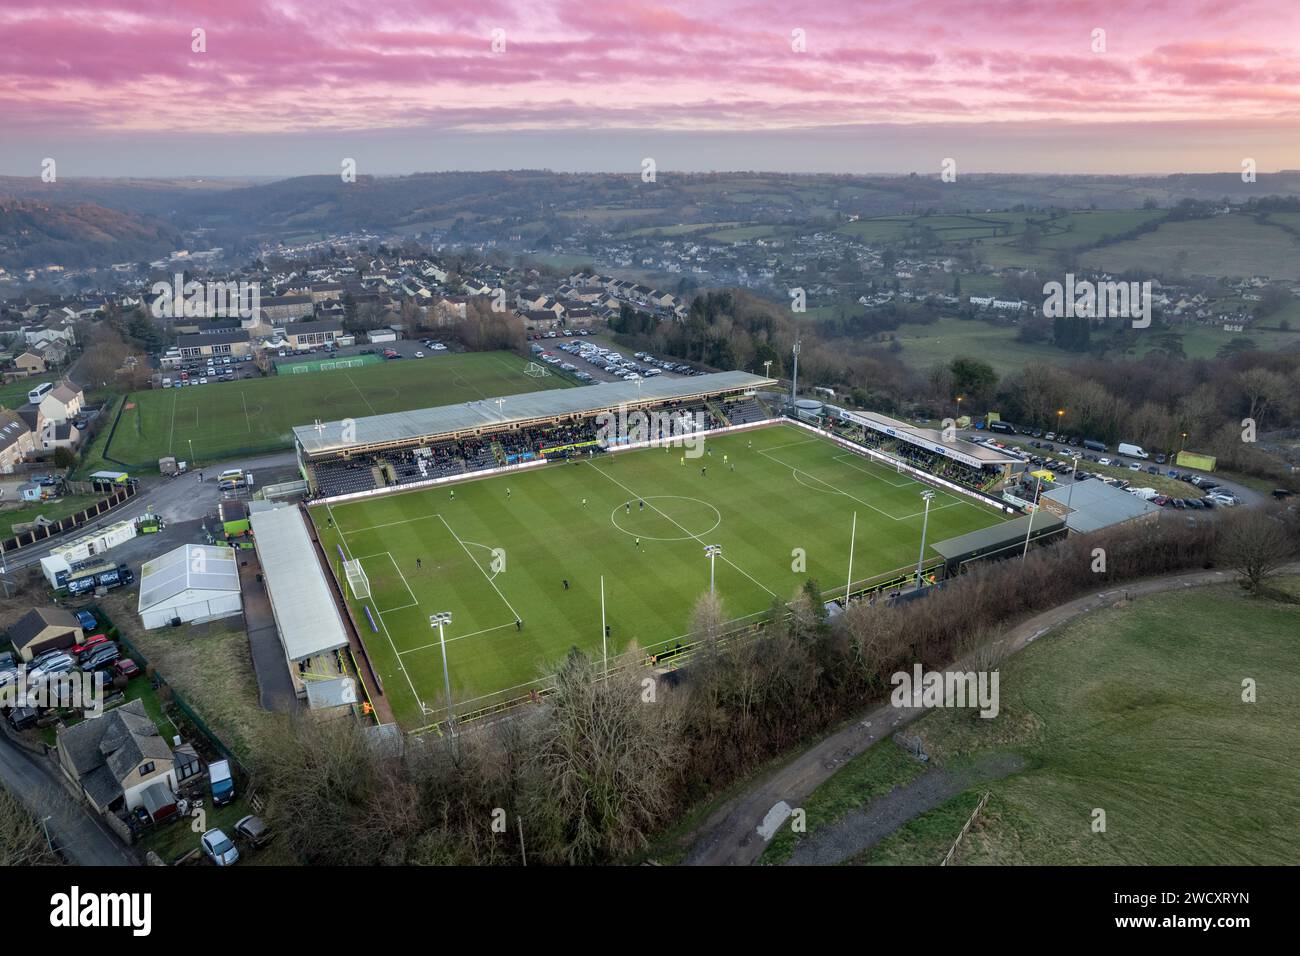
(730, 835)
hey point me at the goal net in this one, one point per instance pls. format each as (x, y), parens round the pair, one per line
(357, 580)
(536, 371)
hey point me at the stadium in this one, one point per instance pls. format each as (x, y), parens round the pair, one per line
(473, 545)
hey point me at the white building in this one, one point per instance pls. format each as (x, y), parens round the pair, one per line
(193, 583)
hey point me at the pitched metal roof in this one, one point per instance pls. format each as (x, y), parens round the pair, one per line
(529, 407)
(305, 613)
(198, 567)
(1095, 505)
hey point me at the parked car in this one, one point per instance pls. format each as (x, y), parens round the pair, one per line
(255, 831)
(7, 660)
(89, 644)
(219, 848)
(58, 664)
(127, 668)
(101, 657)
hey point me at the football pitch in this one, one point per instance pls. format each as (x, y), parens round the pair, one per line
(221, 420)
(779, 501)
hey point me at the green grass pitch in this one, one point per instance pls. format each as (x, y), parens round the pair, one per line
(225, 419)
(789, 490)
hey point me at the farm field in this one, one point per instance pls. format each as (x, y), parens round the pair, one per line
(1223, 246)
(1129, 710)
(763, 494)
(225, 419)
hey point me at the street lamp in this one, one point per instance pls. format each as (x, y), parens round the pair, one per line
(441, 620)
(1038, 483)
(1182, 443)
(712, 550)
(767, 369)
(500, 414)
(959, 400)
(928, 496)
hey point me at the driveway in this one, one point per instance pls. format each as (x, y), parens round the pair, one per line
(75, 830)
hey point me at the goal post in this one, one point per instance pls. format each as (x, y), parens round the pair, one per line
(536, 371)
(357, 580)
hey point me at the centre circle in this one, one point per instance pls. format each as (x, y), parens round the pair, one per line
(679, 518)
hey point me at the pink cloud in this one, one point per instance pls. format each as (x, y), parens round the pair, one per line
(323, 65)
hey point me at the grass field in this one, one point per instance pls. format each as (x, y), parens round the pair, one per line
(789, 490)
(226, 419)
(1130, 710)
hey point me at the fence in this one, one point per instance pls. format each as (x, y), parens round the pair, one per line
(952, 850)
(28, 538)
(174, 696)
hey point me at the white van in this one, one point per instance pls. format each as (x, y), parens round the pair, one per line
(1132, 451)
(39, 392)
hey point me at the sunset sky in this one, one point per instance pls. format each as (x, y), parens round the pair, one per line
(113, 88)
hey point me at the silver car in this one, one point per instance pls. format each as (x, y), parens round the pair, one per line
(219, 848)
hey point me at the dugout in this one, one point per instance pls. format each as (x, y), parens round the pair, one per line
(1006, 540)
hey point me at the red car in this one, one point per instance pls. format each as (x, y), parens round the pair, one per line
(126, 668)
(89, 644)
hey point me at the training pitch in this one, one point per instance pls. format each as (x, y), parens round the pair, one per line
(223, 419)
(769, 496)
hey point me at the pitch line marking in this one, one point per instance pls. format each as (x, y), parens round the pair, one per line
(389, 524)
(852, 461)
(171, 437)
(695, 537)
(348, 376)
(410, 683)
(459, 637)
(480, 568)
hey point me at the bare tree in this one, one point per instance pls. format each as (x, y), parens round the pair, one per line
(606, 762)
(1256, 545)
(22, 840)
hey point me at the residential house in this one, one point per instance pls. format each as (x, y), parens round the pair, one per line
(44, 629)
(62, 402)
(54, 352)
(29, 363)
(17, 440)
(120, 762)
(285, 308)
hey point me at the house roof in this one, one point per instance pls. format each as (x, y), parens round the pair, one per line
(64, 392)
(35, 622)
(196, 567)
(12, 428)
(105, 751)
